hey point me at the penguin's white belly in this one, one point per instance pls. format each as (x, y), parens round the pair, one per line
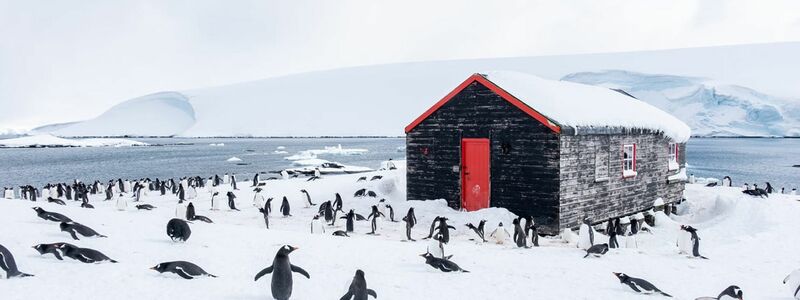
(584, 242)
(191, 193)
(499, 237)
(684, 242)
(9, 194)
(122, 203)
(435, 249)
(180, 211)
(259, 201)
(316, 227)
(378, 223)
(631, 242)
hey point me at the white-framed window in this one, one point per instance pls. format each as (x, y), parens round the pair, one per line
(629, 160)
(673, 157)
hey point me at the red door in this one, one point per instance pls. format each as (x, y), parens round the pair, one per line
(474, 174)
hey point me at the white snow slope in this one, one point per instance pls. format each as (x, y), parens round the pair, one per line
(46, 140)
(383, 99)
(750, 242)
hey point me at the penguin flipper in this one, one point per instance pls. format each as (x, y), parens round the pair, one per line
(263, 272)
(72, 233)
(372, 293)
(347, 296)
(665, 294)
(301, 271)
(183, 274)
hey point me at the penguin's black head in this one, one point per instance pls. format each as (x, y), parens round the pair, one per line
(63, 226)
(160, 267)
(38, 209)
(40, 248)
(500, 225)
(733, 292)
(621, 276)
(286, 249)
(360, 274)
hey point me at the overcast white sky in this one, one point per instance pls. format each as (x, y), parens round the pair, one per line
(70, 60)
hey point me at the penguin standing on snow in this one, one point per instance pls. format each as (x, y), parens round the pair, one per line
(233, 182)
(337, 203)
(375, 215)
(639, 285)
(255, 179)
(214, 204)
(122, 203)
(436, 246)
(499, 235)
(8, 264)
(611, 230)
(231, 202)
(265, 212)
(178, 230)
(51, 216)
(478, 230)
(184, 269)
(730, 293)
(308, 198)
(351, 217)
(793, 280)
(391, 213)
(519, 234)
(326, 211)
(684, 241)
(281, 270)
(316, 226)
(586, 234)
(358, 288)
(726, 181)
(695, 241)
(410, 220)
(444, 229)
(285, 209)
(530, 226)
(433, 227)
(258, 198)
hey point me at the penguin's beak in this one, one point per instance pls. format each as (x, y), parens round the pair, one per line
(152, 268)
(615, 273)
(294, 248)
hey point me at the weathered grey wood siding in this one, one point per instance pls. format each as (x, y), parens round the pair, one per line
(523, 180)
(582, 195)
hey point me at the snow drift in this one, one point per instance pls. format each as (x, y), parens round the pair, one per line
(46, 140)
(383, 99)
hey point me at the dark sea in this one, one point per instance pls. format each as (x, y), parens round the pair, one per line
(745, 160)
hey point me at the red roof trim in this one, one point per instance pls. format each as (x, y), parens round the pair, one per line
(494, 88)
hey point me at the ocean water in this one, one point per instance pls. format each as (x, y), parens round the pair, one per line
(745, 160)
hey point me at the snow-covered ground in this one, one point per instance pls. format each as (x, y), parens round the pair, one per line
(46, 140)
(751, 242)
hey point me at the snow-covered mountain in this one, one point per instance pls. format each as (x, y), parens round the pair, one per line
(735, 99)
(711, 108)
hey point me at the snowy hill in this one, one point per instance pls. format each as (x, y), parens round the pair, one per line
(710, 108)
(382, 99)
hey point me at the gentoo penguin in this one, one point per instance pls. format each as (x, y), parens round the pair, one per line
(444, 229)
(372, 194)
(639, 285)
(122, 203)
(308, 198)
(730, 293)
(49, 248)
(436, 247)
(316, 226)
(285, 209)
(442, 264)
(351, 218)
(586, 234)
(479, 229)
(340, 233)
(83, 230)
(410, 220)
(265, 212)
(56, 201)
(692, 179)
(726, 181)
(631, 240)
(178, 230)
(284, 175)
(695, 241)
(376, 217)
(326, 211)
(793, 280)
(233, 182)
(226, 178)
(8, 264)
(530, 226)
(596, 250)
(184, 269)
(282, 270)
(376, 177)
(214, 204)
(84, 255)
(255, 179)
(520, 239)
(144, 207)
(793, 192)
(362, 178)
(192, 216)
(382, 206)
(746, 186)
(769, 188)
(86, 205)
(611, 230)
(391, 213)
(258, 198)
(360, 193)
(231, 202)
(684, 241)
(180, 209)
(337, 203)
(358, 289)
(499, 235)
(51, 216)
(434, 223)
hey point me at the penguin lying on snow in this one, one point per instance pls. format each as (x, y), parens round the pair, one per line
(51, 216)
(363, 178)
(56, 201)
(376, 177)
(639, 285)
(73, 227)
(178, 230)
(340, 233)
(358, 288)
(596, 250)
(282, 269)
(49, 248)
(730, 293)
(144, 207)
(84, 255)
(8, 264)
(442, 264)
(184, 269)
(793, 279)
(86, 205)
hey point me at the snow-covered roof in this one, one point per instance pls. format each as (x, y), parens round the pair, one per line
(580, 105)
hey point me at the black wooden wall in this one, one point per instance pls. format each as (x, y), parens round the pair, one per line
(524, 179)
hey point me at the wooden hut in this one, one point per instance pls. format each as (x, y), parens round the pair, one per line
(553, 150)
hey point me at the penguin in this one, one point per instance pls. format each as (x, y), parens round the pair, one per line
(444, 229)
(730, 293)
(265, 212)
(611, 230)
(436, 246)
(144, 207)
(255, 179)
(769, 189)
(684, 241)
(8, 264)
(180, 209)
(192, 216)
(233, 182)
(695, 241)
(360, 193)
(285, 209)
(73, 227)
(51, 216)
(226, 178)
(442, 264)
(184, 269)
(284, 175)
(499, 235)
(351, 217)
(726, 181)
(326, 211)
(56, 201)
(49, 248)
(793, 192)
(340, 233)
(391, 213)
(375, 215)
(258, 198)
(178, 230)
(631, 240)
(478, 230)
(530, 226)
(362, 178)
(410, 220)
(84, 255)
(596, 250)
(358, 289)
(308, 198)
(372, 194)
(376, 177)
(282, 269)
(585, 234)
(231, 202)
(214, 204)
(316, 226)
(639, 285)
(519, 234)
(337, 203)
(86, 205)
(793, 280)
(122, 203)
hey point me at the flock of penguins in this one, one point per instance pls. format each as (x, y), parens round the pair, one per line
(178, 229)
